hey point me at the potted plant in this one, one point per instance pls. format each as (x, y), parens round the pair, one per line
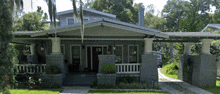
(53, 75)
(108, 74)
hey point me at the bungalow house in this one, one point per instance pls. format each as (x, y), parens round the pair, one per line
(131, 44)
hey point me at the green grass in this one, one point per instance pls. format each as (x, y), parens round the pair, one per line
(124, 92)
(29, 91)
(215, 89)
(163, 71)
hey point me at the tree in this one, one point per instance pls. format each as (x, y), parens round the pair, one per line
(6, 51)
(52, 12)
(123, 9)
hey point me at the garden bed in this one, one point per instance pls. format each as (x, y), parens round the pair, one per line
(123, 91)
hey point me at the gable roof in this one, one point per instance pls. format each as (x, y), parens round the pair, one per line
(99, 22)
(87, 9)
(212, 25)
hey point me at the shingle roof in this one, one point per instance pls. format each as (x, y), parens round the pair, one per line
(86, 9)
(192, 34)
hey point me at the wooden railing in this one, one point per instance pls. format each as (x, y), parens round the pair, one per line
(30, 68)
(128, 68)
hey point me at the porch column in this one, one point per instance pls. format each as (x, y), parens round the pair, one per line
(148, 69)
(33, 49)
(206, 46)
(187, 48)
(148, 45)
(204, 67)
(56, 45)
(33, 57)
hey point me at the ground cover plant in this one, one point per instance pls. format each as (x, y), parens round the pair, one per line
(124, 92)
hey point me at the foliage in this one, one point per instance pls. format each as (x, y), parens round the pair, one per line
(52, 11)
(7, 52)
(27, 81)
(94, 83)
(123, 9)
(53, 69)
(125, 79)
(31, 21)
(108, 68)
(105, 86)
(51, 86)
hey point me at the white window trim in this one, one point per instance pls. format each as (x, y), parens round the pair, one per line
(71, 53)
(67, 18)
(137, 53)
(91, 53)
(63, 48)
(121, 54)
(86, 18)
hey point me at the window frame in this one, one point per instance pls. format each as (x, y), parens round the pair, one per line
(137, 53)
(121, 53)
(67, 18)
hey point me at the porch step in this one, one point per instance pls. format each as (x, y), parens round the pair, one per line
(79, 79)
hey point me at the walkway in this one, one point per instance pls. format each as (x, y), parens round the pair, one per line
(175, 86)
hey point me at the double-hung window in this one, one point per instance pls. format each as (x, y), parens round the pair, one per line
(70, 21)
(118, 54)
(133, 54)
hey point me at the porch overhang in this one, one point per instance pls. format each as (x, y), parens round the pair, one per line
(137, 32)
(188, 36)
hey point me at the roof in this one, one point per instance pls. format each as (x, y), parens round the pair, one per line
(192, 34)
(212, 25)
(99, 22)
(158, 52)
(86, 9)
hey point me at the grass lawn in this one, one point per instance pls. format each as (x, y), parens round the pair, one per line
(124, 92)
(163, 71)
(216, 89)
(29, 91)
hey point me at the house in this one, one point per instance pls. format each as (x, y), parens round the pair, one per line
(131, 45)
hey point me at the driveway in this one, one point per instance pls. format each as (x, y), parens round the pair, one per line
(175, 86)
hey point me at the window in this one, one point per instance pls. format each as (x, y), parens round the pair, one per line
(62, 49)
(133, 54)
(70, 21)
(118, 54)
(85, 20)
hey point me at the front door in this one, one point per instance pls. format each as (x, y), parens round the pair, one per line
(95, 59)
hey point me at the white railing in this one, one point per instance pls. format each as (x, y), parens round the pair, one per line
(30, 68)
(128, 68)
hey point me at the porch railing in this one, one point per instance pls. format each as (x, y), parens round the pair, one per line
(30, 68)
(128, 68)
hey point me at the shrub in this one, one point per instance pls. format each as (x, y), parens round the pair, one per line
(94, 83)
(172, 68)
(53, 69)
(52, 86)
(108, 68)
(127, 80)
(136, 86)
(105, 86)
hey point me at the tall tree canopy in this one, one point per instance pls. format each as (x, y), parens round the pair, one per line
(123, 9)
(6, 52)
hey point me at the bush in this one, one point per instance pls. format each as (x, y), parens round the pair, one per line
(53, 69)
(136, 86)
(27, 81)
(172, 68)
(127, 80)
(94, 83)
(52, 86)
(105, 86)
(108, 68)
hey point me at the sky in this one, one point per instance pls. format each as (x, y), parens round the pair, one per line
(63, 5)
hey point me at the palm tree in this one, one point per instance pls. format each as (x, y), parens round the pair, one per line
(79, 15)
(52, 12)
